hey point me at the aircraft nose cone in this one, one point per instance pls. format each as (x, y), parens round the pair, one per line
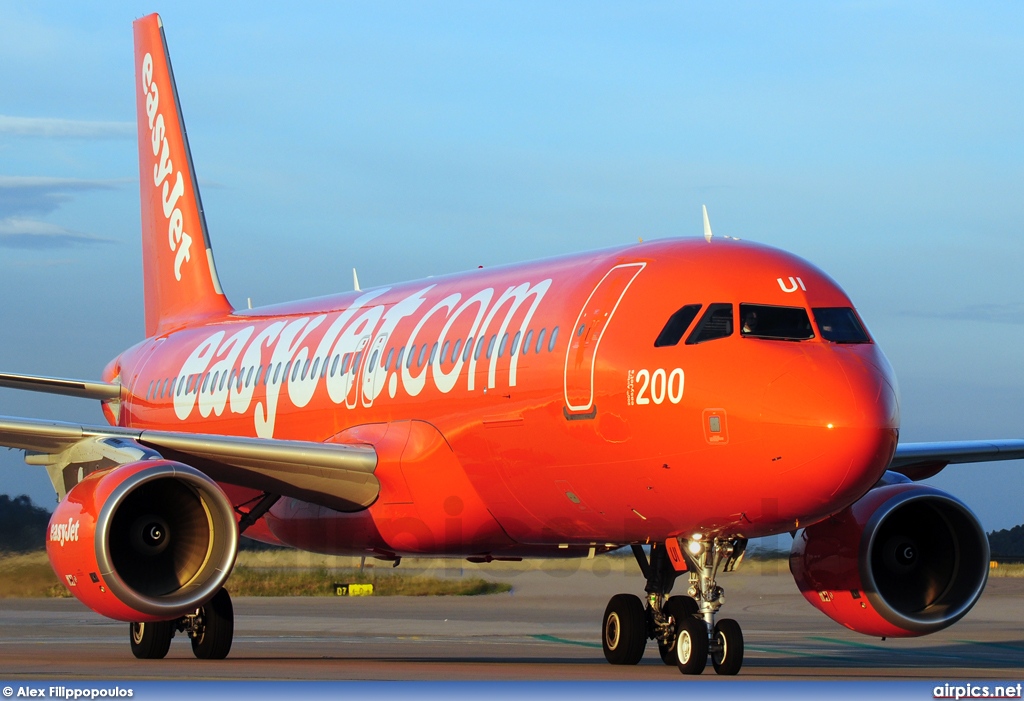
(831, 422)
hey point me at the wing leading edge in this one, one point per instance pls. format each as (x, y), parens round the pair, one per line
(920, 461)
(339, 476)
(84, 389)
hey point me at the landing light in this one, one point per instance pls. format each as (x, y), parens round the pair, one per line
(694, 547)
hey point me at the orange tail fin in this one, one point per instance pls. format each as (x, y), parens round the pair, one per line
(179, 276)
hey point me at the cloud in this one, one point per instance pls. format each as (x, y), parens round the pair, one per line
(19, 232)
(38, 195)
(1007, 313)
(65, 128)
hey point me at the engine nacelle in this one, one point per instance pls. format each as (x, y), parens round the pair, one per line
(144, 541)
(905, 560)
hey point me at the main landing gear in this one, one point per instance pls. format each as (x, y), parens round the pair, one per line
(211, 629)
(684, 626)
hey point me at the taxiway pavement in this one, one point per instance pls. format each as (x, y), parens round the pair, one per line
(547, 628)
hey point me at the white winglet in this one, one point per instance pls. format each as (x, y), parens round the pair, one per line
(707, 224)
(355, 280)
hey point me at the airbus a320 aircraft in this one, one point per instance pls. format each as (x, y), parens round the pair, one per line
(683, 395)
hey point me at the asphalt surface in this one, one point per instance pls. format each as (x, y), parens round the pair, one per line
(547, 628)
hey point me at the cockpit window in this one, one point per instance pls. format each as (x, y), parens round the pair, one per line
(716, 323)
(840, 325)
(778, 323)
(677, 325)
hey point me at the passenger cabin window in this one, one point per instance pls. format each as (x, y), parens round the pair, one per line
(677, 325)
(840, 325)
(776, 323)
(716, 323)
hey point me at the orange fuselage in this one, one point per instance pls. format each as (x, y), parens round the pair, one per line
(528, 406)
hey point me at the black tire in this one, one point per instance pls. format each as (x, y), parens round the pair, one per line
(727, 655)
(678, 607)
(151, 641)
(213, 639)
(624, 633)
(691, 645)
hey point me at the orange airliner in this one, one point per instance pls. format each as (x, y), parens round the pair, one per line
(678, 397)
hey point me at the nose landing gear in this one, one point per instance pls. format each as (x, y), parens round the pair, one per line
(684, 626)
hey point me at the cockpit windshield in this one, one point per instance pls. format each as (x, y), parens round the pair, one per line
(777, 323)
(840, 325)
(716, 323)
(676, 326)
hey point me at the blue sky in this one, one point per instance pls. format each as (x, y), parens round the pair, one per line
(882, 141)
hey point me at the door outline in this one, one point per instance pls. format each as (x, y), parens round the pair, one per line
(597, 344)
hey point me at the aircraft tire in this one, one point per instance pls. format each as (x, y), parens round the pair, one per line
(213, 640)
(151, 641)
(624, 633)
(727, 657)
(691, 646)
(678, 607)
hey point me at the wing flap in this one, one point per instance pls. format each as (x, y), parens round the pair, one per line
(39, 436)
(336, 475)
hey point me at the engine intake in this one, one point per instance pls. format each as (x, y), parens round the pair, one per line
(905, 560)
(153, 540)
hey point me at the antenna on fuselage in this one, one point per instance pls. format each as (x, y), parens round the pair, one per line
(355, 280)
(707, 225)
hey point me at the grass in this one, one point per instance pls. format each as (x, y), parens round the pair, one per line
(1008, 569)
(29, 575)
(296, 573)
(248, 581)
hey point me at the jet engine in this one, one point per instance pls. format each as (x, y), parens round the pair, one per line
(905, 560)
(145, 541)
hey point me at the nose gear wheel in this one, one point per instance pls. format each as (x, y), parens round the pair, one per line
(727, 647)
(683, 626)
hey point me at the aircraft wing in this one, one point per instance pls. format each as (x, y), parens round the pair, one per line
(84, 389)
(920, 461)
(335, 475)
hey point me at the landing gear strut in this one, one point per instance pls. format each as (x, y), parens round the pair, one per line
(684, 626)
(211, 629)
